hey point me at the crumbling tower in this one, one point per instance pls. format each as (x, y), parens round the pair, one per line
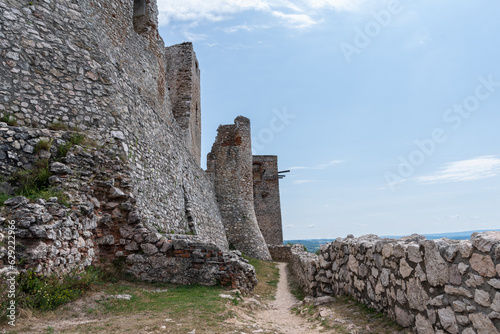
(230, 166)
(266, 194)
(183, 77)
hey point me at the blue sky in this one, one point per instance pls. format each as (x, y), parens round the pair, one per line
(387, 112)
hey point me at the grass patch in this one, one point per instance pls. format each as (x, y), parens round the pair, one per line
(58, 126)
(9, 119)
(185, 307)
(294, 285)
(44, 144)
(34, 184)
(75, 139)
(3, 198)
(36, 292)
(268, 275)
(34, 179)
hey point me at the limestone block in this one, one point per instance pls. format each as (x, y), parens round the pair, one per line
(417, 297)
(495, 306)
(483, 265)
(482, 298)
(448, 320)
(451, 290)
(404, 268)
(483, 324)
(423, 325)
(486, 240)
(403, 318)
(465, 248)
(435, 266)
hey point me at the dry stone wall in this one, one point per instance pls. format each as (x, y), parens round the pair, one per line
(441, 286)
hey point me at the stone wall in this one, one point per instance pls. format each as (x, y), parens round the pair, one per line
(441, 286)
(280, 253)
(184, 261)
(81, 64)
(266, 194)
(101, 223)
(183, 75)
(229, 164)
(98, 68)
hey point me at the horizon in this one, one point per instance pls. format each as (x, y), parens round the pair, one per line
(384, 111)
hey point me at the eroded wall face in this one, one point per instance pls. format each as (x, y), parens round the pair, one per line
(183, 75)
(267, 198)
(230, 165)
(91, 65)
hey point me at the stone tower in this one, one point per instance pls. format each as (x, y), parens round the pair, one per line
(230, 166)
(267, 198)
(183, 77)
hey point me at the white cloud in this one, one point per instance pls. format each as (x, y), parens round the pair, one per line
(311, 226)
(347, 5)
(320, 166)
(465, 170)
(292, 13)
(301, 181)
(299, 21)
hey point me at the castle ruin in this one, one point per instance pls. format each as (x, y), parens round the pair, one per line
(115, 116)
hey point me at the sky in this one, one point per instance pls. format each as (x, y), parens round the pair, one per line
(386, 112)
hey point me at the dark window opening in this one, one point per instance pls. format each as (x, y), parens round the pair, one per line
(141, 21)
(139, 8)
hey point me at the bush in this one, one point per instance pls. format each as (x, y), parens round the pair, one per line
(37, 292)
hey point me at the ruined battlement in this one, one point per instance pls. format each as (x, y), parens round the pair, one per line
(229, 165)
(183, 77)
(266, 194)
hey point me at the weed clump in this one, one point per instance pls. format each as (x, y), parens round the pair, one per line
(9, 119)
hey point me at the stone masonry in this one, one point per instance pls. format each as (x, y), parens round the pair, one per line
(441, 286)
(183, 75)
(266, 193)
(229, 164)
(99, 68)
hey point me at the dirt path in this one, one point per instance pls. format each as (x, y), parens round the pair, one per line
(278, 317)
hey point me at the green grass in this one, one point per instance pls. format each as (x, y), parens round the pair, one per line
(178, 300)
(34, 179)
(9, 119)
(75, 139)
(36, 292)
(268, 276)
(294, 285)
(3, 198)
(58, 126)
(44, 144)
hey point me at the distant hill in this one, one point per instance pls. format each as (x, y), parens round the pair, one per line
(312, 245)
